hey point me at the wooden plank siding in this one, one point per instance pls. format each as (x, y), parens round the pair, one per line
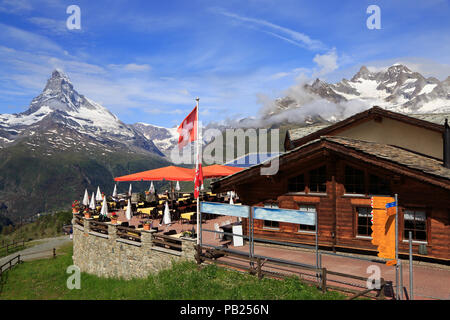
(336, 210)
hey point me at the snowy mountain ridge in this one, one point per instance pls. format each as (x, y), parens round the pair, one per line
(396, 88)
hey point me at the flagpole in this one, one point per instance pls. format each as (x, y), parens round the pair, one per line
(196, 169)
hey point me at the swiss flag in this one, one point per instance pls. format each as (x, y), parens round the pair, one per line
(188, 129)
(198, 180)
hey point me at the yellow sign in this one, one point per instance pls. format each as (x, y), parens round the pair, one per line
(383, 228)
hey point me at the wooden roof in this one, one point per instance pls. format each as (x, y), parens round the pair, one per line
(389, 157)
(297, 137)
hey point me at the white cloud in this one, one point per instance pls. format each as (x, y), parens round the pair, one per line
(15, 6)
(51, 25)
(165, 111)
(27, 40)
(131, 67)
(289, 35)
(326, 62)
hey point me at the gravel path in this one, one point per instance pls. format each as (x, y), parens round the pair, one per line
(42, 250)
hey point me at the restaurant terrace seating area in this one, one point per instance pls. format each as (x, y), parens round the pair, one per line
(148, 210)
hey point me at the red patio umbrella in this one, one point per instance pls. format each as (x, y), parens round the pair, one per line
(170, 173)
(173, 173)
(219, 170)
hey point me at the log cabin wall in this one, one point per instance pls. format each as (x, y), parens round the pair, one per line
(336, 208)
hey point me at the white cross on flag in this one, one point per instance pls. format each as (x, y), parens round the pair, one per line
(188, 129)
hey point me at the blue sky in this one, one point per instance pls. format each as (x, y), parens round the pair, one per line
(148, 60)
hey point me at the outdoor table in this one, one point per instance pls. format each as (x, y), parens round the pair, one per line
(186, 216)
(146, 210)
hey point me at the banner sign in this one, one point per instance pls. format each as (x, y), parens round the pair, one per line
(225, 209)
(285, 215)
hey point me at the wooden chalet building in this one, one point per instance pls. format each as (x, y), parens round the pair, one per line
(334, 171)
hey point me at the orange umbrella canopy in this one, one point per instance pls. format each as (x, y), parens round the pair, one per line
(173, 173)
(170, 173)
(219, 170)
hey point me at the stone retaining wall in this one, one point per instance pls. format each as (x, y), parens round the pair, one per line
(110, 256)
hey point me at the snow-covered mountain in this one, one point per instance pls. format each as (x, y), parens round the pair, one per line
(396, 88)
(74, 120)
(164, 138)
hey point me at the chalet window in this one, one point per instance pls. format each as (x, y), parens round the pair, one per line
(268, 223)
(271, 204)
(379, 185)
(271, 224)
(307, 208)
(318, 180)
(364, 227)
(416, 222)
(296, 184)
(354, 180)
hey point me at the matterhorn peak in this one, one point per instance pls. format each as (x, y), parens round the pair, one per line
(59, 81)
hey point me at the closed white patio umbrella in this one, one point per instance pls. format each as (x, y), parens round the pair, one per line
(129, 190)
(177, 187)
(104, 210)
(166, 217)
(128, 212)
(86, 198)
(92, 204)
(114, 194)
(98, 196)
(152, 188)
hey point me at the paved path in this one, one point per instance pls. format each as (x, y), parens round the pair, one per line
(43, 249)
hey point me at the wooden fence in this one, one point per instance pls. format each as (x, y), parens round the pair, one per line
(100, 227)
(280, 269)
(12, 246)
(78, 220)
(9, 264)
(129, 233)
(167, 242)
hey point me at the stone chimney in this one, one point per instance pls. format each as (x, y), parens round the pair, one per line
(446, 144)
